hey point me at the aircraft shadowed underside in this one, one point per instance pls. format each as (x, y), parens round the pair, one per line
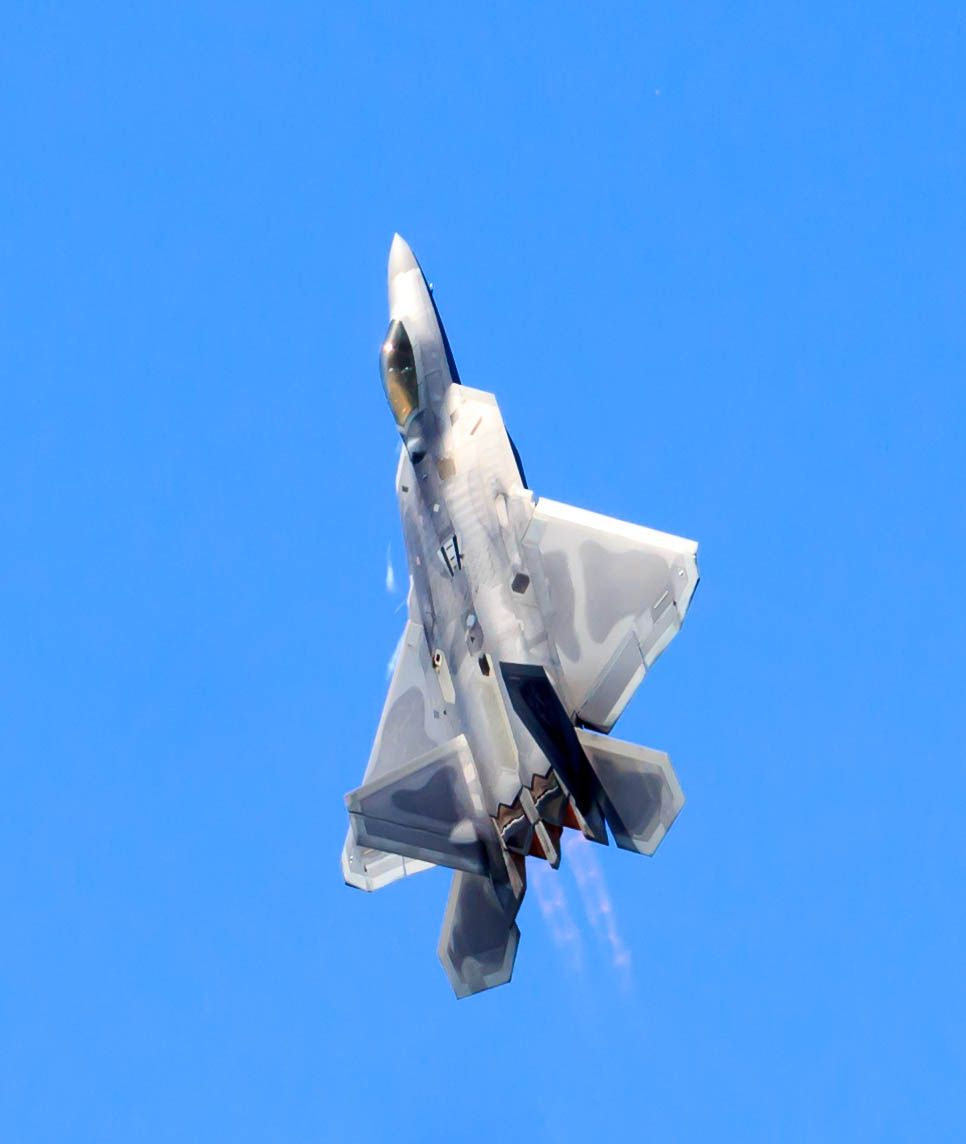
(531, 624)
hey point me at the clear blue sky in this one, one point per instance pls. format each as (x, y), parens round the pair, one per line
(711, 258)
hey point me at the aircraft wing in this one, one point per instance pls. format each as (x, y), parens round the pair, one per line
(414, 793)
(613, 596)
(415, 717)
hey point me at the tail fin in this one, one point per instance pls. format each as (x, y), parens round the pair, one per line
(370, 869)
(639, 791)
(430, 811)
(538, 707)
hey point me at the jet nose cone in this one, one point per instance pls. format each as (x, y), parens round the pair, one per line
(401, 258)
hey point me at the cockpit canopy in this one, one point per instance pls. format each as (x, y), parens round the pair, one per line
(397, 363)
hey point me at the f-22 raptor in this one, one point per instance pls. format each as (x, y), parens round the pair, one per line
(530, 625)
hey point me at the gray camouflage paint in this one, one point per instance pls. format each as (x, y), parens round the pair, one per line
(455, 777)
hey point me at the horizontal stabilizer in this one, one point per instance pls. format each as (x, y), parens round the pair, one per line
(478, 942)
(640, 792)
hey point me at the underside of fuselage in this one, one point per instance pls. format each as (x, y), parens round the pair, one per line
(530, 626)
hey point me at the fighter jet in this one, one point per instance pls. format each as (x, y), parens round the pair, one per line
(530, 625)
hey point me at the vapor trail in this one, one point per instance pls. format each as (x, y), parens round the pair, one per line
(394, 658)
(596, 899)
(556, 913)
(390, 572)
